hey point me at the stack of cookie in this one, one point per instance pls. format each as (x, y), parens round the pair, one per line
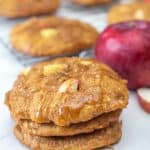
(68, 104)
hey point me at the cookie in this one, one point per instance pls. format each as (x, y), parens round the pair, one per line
(24, 8)
(66, 91)
(52, 36)
(90, 2)
(51, 129)
(90, 141)
(127, 12)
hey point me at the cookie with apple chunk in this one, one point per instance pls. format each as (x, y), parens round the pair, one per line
(128, 12)
(52, 36)
(66, 91)
(24, 8)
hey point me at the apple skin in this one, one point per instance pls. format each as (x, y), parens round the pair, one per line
(144, 103)
(126, 48)
(146, 0)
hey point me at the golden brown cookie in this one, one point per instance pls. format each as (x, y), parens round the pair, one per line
(90, 2)
(51, 129)
(51, 36)
(89, 141)
(66, 90)
(127, 12)
(23, 8)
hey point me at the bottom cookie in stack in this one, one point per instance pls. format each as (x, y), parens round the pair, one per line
(96, 133)
(97, 139)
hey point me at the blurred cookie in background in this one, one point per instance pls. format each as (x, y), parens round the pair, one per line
(24, 8)
(127, 12)
(52, 36)
(90, 2)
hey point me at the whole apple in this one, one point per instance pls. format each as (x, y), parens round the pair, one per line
(126, 48)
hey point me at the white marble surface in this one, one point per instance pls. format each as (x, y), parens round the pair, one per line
(136, 123)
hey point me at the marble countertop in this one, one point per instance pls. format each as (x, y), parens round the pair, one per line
(136, 123)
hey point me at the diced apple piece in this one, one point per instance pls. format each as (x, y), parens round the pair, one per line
(139, 14)
(144, 98)
(70, 85)
(48, 33)
(26, 71)
(85, 62)
(53, 68)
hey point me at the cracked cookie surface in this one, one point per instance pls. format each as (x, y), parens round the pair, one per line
(66, 91)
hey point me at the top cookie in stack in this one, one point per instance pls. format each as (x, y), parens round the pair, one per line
(74, 97)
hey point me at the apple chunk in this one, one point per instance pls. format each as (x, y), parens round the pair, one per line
(144, 98)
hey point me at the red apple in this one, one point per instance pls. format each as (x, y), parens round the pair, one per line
(144, 98)
(146, 0)
(126, 48)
